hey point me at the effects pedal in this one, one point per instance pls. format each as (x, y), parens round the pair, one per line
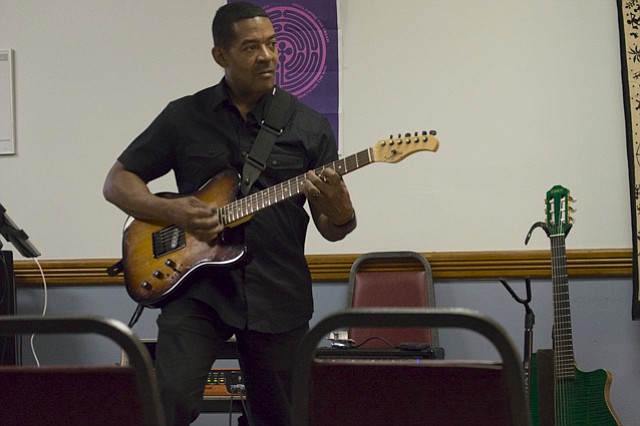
(224, 382)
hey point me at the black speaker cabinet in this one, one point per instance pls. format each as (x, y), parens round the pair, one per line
(9, 345)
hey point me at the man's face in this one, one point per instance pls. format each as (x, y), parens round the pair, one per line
(251, 59)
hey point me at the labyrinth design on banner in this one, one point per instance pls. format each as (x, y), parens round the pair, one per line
(302, 49)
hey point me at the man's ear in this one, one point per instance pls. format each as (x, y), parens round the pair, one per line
(219, 56)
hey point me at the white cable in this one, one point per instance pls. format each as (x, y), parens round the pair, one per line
(44, 309)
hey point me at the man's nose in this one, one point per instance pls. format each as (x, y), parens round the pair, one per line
(268, 53)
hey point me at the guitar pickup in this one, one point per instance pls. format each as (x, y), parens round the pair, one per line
(167, 240)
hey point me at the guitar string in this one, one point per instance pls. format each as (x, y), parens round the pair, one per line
(560, 397)
(249, 205)
(167, 238)
(559, 388)
(564, 358)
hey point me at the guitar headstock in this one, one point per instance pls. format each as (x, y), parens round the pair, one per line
(558, 211)
(395, 149)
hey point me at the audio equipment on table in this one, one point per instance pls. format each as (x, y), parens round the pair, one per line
(225, 382)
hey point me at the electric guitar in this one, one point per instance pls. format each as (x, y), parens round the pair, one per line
(581, 398)
(158, 257)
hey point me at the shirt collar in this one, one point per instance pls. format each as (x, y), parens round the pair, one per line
(220, 96)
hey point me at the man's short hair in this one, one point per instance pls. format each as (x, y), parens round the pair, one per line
(229, 14)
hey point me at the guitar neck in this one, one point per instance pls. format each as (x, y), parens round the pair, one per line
(562, 335)
(253, 203)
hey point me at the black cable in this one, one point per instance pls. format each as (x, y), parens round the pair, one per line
(391, 345)
(243, 398)
(4, 296)
(136, 315)
(5, 269)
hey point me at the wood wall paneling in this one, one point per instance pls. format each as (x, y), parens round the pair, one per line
(585, 263)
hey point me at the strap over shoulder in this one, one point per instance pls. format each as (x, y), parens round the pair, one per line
(271, 127)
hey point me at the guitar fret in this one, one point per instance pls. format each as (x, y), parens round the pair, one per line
(563, 338)
(259, 201)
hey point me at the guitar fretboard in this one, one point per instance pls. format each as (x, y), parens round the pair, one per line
(562, 335)
(255, 202)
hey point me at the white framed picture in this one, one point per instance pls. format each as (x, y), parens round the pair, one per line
(7, 125)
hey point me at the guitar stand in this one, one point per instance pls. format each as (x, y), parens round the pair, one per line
(529, 317)
(529, 321)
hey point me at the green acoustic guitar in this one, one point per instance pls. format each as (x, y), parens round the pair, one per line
(581, 398)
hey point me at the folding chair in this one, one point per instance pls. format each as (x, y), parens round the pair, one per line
(409, 392)
(76, 395)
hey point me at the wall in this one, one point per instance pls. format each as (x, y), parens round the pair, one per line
(524, 95)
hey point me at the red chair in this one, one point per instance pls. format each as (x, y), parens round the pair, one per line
(381, 392)
(391, 279)
(98, 395)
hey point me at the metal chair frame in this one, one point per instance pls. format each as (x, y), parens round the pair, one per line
(378, 258)
(418, 317)
(138, 355)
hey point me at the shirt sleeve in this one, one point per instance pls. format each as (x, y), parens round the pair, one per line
(152, 153)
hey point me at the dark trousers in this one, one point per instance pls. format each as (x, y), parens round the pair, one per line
(190, 337)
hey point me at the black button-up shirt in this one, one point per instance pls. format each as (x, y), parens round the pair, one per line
(201, 135)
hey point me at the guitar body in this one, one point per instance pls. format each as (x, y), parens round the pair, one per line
(583, 401)
(157, 257)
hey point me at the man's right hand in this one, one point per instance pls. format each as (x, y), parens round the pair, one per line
(129, 193)
(196, 217)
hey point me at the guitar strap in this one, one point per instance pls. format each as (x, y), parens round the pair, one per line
(271, 127)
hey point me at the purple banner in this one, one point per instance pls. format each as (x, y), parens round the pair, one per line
(307, 32)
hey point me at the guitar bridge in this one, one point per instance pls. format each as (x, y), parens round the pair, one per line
(167, 240)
